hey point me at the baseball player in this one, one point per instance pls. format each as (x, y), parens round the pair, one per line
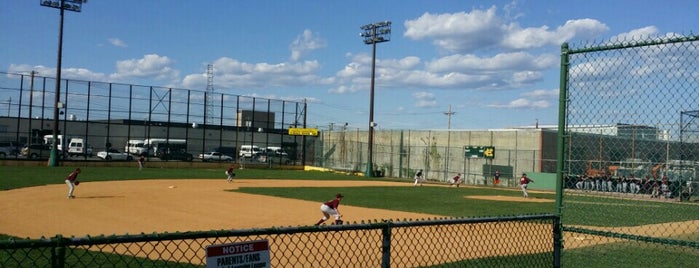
(330, 208)
(456, 179)
(496, 180)
(523, 182)
(230, 174)
(418, 178)
(72, 181)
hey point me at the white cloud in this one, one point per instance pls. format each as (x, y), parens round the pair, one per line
(484, 29)
(117, 42)
(234, 74)
(636, 34)
(522, 103)
(457, 31)
(305, 43)
(150, 66)
(542, 94)
(66, 73)
(424, 99)
(527, 38)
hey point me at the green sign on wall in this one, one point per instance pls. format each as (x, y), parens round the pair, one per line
(479, 152)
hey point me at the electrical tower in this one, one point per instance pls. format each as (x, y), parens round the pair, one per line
(209, 94)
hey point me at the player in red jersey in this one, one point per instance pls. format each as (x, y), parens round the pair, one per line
(523, 182)
(330, 208)
(71, 181)
(230, 174)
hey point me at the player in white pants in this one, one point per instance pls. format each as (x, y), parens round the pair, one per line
(418, 178)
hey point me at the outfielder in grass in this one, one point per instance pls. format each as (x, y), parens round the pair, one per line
(330, 208)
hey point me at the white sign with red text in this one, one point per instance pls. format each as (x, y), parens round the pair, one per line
(252, 254)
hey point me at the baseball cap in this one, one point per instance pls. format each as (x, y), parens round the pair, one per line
(339, 195)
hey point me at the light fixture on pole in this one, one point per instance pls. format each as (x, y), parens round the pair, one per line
(62, 5)
(373, 33)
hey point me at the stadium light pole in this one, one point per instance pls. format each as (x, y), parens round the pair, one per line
(62, 5)
(373, 33)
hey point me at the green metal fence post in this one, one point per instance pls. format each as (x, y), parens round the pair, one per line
(58, 254)
(562, 102)
(386, 245)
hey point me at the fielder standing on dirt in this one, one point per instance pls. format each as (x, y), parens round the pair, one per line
(523, 182)
(330, 208)
(72, 181)
(230, 174)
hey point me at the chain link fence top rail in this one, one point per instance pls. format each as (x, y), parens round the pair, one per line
(630, 109)
(508, 241)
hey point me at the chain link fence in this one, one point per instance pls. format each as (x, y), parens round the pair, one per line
(177, 124)
(629, 151)
(459, 242)
(441, 154)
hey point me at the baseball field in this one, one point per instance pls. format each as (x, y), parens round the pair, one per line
(147, 203)
(125, 200)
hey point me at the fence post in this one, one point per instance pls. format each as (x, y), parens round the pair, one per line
(557, 241)
(58, 254)
(386, 245)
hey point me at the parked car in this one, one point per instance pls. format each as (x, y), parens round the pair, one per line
(10, 147)
(114, 154)
(175, 155)
(4, 152)
(249, 151)
(215, 156)
(227, 150)
(40, 151)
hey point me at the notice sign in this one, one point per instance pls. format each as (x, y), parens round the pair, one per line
(238, 255)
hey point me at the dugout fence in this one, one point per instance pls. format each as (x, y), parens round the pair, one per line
(454, 242)
(629, 152)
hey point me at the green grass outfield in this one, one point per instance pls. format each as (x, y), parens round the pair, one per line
(449, 202)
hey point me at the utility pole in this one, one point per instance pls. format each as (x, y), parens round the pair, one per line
(447, 158)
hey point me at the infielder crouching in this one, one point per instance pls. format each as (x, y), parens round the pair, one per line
(330, 208)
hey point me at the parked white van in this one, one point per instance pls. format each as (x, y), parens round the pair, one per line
(249, 151)
(77, 146)
(136, 147)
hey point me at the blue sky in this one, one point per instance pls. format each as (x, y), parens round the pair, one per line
(496, 63)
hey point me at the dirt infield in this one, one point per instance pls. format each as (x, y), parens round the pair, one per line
(120, 207)
(146, 206)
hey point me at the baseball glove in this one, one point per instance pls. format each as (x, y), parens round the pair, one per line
(76, 183)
